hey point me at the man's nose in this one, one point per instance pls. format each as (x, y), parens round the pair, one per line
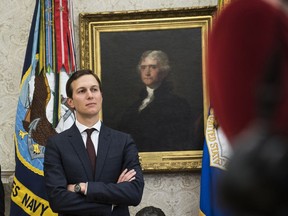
(147, 71)
(89, 94)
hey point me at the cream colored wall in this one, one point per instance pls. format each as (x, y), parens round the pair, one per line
(176, 193)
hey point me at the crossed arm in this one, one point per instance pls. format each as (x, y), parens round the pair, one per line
(125, 176)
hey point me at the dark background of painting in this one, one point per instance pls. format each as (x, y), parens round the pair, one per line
(120, 53)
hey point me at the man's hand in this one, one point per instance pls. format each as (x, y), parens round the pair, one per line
(127, 176)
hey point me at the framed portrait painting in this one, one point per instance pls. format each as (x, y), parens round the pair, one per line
(167, 124)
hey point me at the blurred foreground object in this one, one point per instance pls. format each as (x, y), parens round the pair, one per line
(241, 43)
(247, 71)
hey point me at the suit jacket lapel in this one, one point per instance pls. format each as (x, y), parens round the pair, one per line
(76, 141)
(103, 146)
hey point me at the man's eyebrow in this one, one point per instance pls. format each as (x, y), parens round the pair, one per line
(81, 87)
(95, 86)
(84, 87)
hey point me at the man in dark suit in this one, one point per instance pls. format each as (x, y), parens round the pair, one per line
(73, 187)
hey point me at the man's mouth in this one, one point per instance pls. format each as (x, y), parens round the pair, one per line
(90, 104)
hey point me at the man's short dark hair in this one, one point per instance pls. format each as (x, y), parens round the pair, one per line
(150, 211)
(76, 75)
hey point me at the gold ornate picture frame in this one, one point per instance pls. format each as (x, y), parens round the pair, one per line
(111, 44)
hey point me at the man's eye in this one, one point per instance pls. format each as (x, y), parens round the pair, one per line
(94, 89)
(153, 66)
(143, 67)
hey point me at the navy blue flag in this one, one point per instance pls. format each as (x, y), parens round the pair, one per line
(216, 153)
(42, 110)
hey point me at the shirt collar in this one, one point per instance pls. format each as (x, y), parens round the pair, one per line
(82, 127)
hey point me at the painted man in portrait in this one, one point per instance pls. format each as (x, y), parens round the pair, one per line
(160, 120)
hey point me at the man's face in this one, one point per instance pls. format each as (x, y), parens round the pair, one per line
(150, 73)
(87, 97)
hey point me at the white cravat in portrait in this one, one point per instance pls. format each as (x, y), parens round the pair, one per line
(148, 99)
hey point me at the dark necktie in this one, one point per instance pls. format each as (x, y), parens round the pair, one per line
(90, 148)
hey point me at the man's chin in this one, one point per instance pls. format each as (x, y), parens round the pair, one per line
(92, 113)
(147, 83)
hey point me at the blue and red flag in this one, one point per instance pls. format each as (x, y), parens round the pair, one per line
(42, 110)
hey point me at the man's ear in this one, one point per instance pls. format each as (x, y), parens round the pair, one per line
(70, 103)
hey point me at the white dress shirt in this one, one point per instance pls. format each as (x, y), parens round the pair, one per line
(94, 135)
